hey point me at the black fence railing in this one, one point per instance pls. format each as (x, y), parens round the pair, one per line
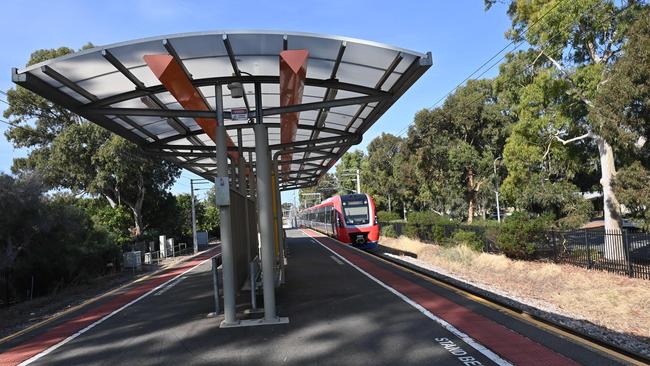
(614, 251)
(621, 252)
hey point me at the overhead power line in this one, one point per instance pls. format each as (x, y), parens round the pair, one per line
(588, 11)
(524, 31)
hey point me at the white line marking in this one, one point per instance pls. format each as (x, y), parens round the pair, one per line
(464, 337)
(336, 260)
(89, 327)
(166, 288)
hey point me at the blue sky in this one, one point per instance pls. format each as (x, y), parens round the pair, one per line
(460, 34)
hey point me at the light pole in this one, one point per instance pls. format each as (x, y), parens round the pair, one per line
(496, 184)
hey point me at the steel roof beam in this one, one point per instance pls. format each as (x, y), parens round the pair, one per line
(353, 137)
(330, 94)
(69, 83)
(40, 87)
(122, 69)
(108, 56)
(174, 78)
(264, 79)
(176, 122)
(378, 86)
(235, 67)
(417, 68)
(248, 126)
(325, 156)
(206, 114)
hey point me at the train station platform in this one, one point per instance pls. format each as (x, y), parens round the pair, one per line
(345, 307)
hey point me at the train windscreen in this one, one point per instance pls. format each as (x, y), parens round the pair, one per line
(356, 212)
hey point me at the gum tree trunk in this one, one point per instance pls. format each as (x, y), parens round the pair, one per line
(611, 207)
(471, 196)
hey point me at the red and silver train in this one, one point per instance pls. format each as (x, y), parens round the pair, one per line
(350, 218)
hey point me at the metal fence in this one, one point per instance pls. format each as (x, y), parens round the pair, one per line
(621, 252)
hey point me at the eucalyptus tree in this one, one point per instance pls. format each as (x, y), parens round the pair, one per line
(72, 153)
(626, 100)
(459, 142)
(575, 43)
(379, 174)
(346, 171)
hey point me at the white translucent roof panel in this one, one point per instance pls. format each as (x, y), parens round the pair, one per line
(198, 46)
(101, 88)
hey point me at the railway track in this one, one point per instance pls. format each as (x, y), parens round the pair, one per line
(467, 291)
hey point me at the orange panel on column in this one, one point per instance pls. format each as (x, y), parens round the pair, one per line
(174, 78)
(293, 71)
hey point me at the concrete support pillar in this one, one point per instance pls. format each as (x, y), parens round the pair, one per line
(195, 244)
(227, 254)
(265, 202)
(243, 189)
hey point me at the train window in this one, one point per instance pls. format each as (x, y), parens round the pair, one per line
(356, 212)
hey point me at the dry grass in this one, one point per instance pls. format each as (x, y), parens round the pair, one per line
(615, 302)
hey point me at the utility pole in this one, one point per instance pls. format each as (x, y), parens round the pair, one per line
(358, 182)
(496, 192)
(352, 173)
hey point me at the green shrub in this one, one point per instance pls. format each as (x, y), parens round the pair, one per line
(469, 238)
(411, 231)
(388, 231)
(426, 218)
(115, 221)
(426, 225)
(387, 216)
(520, 234)
(438, 233)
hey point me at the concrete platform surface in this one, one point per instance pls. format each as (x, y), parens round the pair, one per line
(344, 307)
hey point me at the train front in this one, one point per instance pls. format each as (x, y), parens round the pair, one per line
(360, 220)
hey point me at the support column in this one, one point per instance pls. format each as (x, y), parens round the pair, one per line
(195, 244)
(243, 189)
(265, 202)
(227, 259)
(278, 213)
(252, 178)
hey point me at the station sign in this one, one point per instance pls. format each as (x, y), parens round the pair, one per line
(239, 114)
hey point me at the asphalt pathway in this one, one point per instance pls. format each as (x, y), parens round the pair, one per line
(344, 307)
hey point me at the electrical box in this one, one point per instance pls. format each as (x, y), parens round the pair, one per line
(222, 191)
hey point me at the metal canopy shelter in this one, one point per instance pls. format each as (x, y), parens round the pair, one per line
(258, 112)
(348, 85)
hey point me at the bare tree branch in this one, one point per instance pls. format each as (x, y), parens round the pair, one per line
(577, 138)
(592, 53)
(548, 149)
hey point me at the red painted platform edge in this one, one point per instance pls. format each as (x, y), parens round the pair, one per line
(59, 333)
(503, 341)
